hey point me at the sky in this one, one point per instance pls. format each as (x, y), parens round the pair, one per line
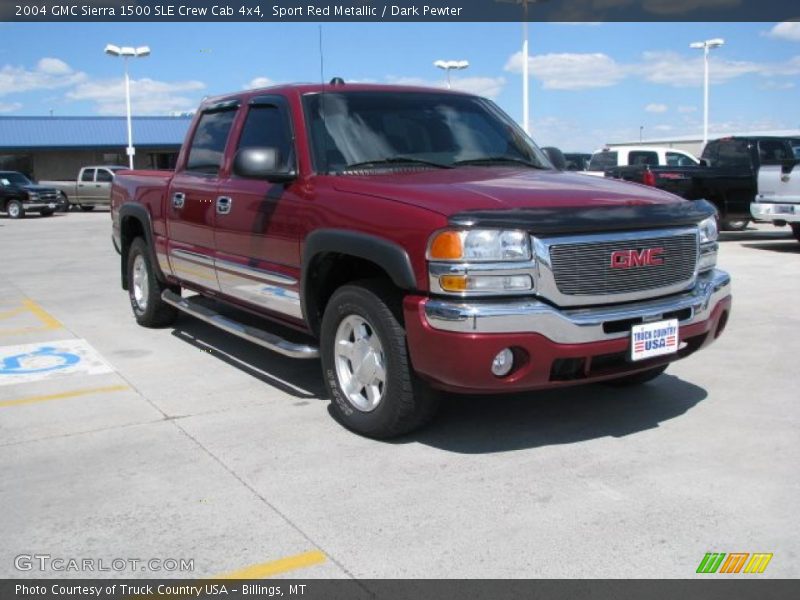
(590, 83)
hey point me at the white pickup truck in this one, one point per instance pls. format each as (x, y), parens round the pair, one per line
(633, 156)
(778, 196)
(92, 188)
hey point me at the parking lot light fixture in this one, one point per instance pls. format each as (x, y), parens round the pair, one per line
(127, 52)
(706, 46)
(450, 65)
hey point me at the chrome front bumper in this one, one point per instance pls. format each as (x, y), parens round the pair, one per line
(776, 211)
(582, 325)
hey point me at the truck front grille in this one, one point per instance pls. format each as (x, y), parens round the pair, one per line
(585, 268)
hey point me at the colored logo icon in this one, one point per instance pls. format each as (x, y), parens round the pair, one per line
(736, 562)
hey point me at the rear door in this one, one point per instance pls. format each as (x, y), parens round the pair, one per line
(736, 186)
(101, 192)
(258, 223)
(191, 196)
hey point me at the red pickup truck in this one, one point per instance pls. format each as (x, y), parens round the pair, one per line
(419, 241)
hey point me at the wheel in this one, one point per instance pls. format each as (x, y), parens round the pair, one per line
(734, 224)
(144, 289)
(796, 231)
(63, 201)
(87, 207)
(47, 212)
(15, 210)
(637, 378)
(366, 366)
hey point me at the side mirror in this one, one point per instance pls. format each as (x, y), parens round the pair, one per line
(704, 162)
(261, 163)
(556, 157)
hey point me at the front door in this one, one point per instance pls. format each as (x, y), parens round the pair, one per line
(258, 223)
(190, 203)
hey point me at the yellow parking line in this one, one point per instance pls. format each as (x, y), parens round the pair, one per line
(62, 395)
(276, 567)
(12, 312)
(49, 321)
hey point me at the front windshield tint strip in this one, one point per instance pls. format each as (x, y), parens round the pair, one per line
(395, 129)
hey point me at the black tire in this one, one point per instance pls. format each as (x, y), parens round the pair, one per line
(637, 378)
(14, 209)
(734, 224)
(64, 202)
(87, 207)
(405, 402)
(148, 307)
(796, 231)
(47, 213)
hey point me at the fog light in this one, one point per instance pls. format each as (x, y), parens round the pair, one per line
(503, 361)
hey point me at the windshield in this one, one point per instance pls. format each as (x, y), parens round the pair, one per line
(12, 178)
(426, 129)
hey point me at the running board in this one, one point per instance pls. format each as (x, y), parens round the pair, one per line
(267, 340)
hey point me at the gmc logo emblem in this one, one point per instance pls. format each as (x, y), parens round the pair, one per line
(629, 259)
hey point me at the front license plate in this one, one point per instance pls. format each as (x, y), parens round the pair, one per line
(784, 209)
(654, 339)
(51, 205)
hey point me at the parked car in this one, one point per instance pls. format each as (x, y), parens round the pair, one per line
(727, 176)
(419, 241)
(577, 161)
(638, 156)
(778, 198)
(19, 195)
(91, 189)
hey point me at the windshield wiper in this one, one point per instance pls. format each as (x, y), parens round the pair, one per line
(396, 160)
(500, 159)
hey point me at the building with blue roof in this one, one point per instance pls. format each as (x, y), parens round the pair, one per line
(57, 147)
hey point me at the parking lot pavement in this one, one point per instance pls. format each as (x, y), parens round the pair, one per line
(186, 443)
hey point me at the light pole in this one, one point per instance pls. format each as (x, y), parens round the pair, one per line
(126, 52)
(525, 66)
(706, 46)
(449, 65)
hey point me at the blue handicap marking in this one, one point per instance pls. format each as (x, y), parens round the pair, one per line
(14, 365)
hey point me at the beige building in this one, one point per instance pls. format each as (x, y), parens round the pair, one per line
(694, 143)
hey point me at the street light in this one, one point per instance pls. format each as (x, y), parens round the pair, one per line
(449, 65)
(706, 46)
(127, 52)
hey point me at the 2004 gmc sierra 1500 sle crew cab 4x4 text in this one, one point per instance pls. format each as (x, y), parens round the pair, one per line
(418, 241)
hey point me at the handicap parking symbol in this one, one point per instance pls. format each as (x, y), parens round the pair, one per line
(34, 362)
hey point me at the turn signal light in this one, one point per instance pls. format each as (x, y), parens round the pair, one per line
(447, 245)
(453, 283)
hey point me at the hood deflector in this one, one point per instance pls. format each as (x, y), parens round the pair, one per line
(575, 220)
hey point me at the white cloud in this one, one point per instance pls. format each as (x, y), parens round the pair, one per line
(687, 109)
(569, 71)
(259, 82)
(663, 127)
(675, 69)
(777, 85)
(489, 87)
(148, 96)
(49, 73)
(788, 30)
(655, 107)
(9, 106)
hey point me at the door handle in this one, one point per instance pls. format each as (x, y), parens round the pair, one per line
(224, 204)
(178, 200)
(96, 185)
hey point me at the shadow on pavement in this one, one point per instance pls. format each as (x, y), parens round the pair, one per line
(748, 235)
(298, 378)
(783, 247)
(488, 424)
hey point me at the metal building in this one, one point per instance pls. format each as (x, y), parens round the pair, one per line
(694, 143)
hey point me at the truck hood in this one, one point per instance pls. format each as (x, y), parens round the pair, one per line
(34, 187)
(454, 191)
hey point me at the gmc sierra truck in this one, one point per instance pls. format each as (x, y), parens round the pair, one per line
(418, 241)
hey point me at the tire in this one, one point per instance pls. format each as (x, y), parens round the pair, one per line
(361, 314)
(47, 213)
(64, 201)
(14, 209)
(87, 207)
(144, 289)
(796, 231)
(734, 224)
(637, 378)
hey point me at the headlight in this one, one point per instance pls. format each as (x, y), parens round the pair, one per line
(708, 230)
(33, 196)
(480, 245)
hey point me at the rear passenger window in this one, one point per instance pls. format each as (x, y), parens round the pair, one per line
(104, 176)
(603, 160)
(642, 157)
(87, 175)
(208, 143)
(676, 159)
(733, 153)
(267, 127)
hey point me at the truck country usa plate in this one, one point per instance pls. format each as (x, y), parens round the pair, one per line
(654, 339)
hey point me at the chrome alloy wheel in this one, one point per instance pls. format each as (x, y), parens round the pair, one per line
(141, 282)
(13, 210)
(360, 363)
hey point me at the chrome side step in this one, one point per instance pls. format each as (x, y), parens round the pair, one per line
(267, 340)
